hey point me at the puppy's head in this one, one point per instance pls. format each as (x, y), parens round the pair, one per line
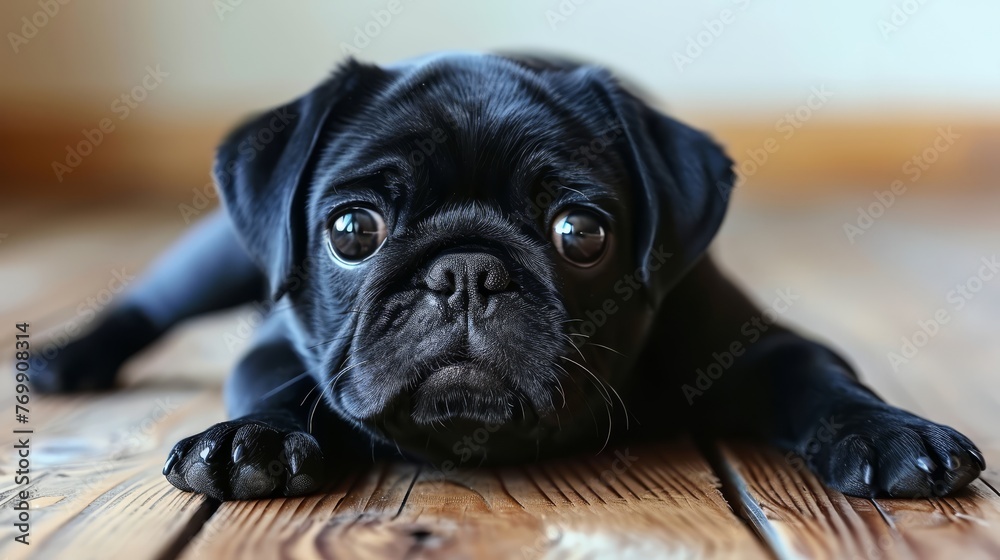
(473, 245)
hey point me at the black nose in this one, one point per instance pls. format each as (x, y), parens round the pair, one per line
(473, 275)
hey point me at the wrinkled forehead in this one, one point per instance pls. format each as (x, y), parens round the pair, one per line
(485, 128)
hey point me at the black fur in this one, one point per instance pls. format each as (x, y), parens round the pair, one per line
(468, 322)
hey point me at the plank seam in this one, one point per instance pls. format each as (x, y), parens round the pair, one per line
(990, 486)
(735, 493)
(409, 488)
(196, 523)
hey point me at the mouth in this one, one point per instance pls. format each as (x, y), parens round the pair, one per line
(458, 395)
(463, 412)
(461, 391)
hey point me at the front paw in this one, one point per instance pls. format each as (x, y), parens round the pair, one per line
(247, 458)
(890, 452)
(91, 362)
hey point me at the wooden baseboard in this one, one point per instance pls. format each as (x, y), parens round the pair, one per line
(75, 159)
(856, 154)
(156, 156)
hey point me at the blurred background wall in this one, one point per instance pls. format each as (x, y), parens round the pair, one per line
(809, 97)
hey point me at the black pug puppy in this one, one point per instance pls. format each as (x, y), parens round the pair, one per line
(478, 258)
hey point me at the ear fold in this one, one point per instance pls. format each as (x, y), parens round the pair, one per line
(264, 167)
(682, 181)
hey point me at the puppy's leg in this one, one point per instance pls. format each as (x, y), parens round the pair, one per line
(269, 448)
(206, 270)
(801, 396)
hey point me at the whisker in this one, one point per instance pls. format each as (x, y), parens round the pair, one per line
(599, 384)
(312, 413)
(609, 386)
(284, 385)
(608, 438)
(339, 374)
(318, 384)
(586, 402)
(606, 348)
(570, 340)
(330, 341)
(561, 392)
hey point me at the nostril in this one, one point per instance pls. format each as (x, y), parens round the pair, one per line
(494, 279)
(441, 280)
(467, 272)
(449, 282)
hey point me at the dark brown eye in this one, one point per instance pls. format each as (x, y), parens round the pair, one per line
(579, 236)
(354, 234)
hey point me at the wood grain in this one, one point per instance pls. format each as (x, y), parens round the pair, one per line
(798, 515)
(865, 296)
(811, 521)
(97, 491)
(349, 516)
(666, 504)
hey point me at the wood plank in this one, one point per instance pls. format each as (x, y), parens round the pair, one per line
(865, 296)
(798, 514)
(812, 521)
(665, 504)
(97, 490)
(346, 521)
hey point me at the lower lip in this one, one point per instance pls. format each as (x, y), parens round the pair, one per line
(463, 374)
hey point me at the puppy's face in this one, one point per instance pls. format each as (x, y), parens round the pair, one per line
(471, 228)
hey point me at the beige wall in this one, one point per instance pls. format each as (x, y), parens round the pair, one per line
(889, 72)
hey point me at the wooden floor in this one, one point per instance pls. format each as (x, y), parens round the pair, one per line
(97, 491)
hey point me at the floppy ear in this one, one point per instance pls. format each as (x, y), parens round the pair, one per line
(263, 170)
(682, 181)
